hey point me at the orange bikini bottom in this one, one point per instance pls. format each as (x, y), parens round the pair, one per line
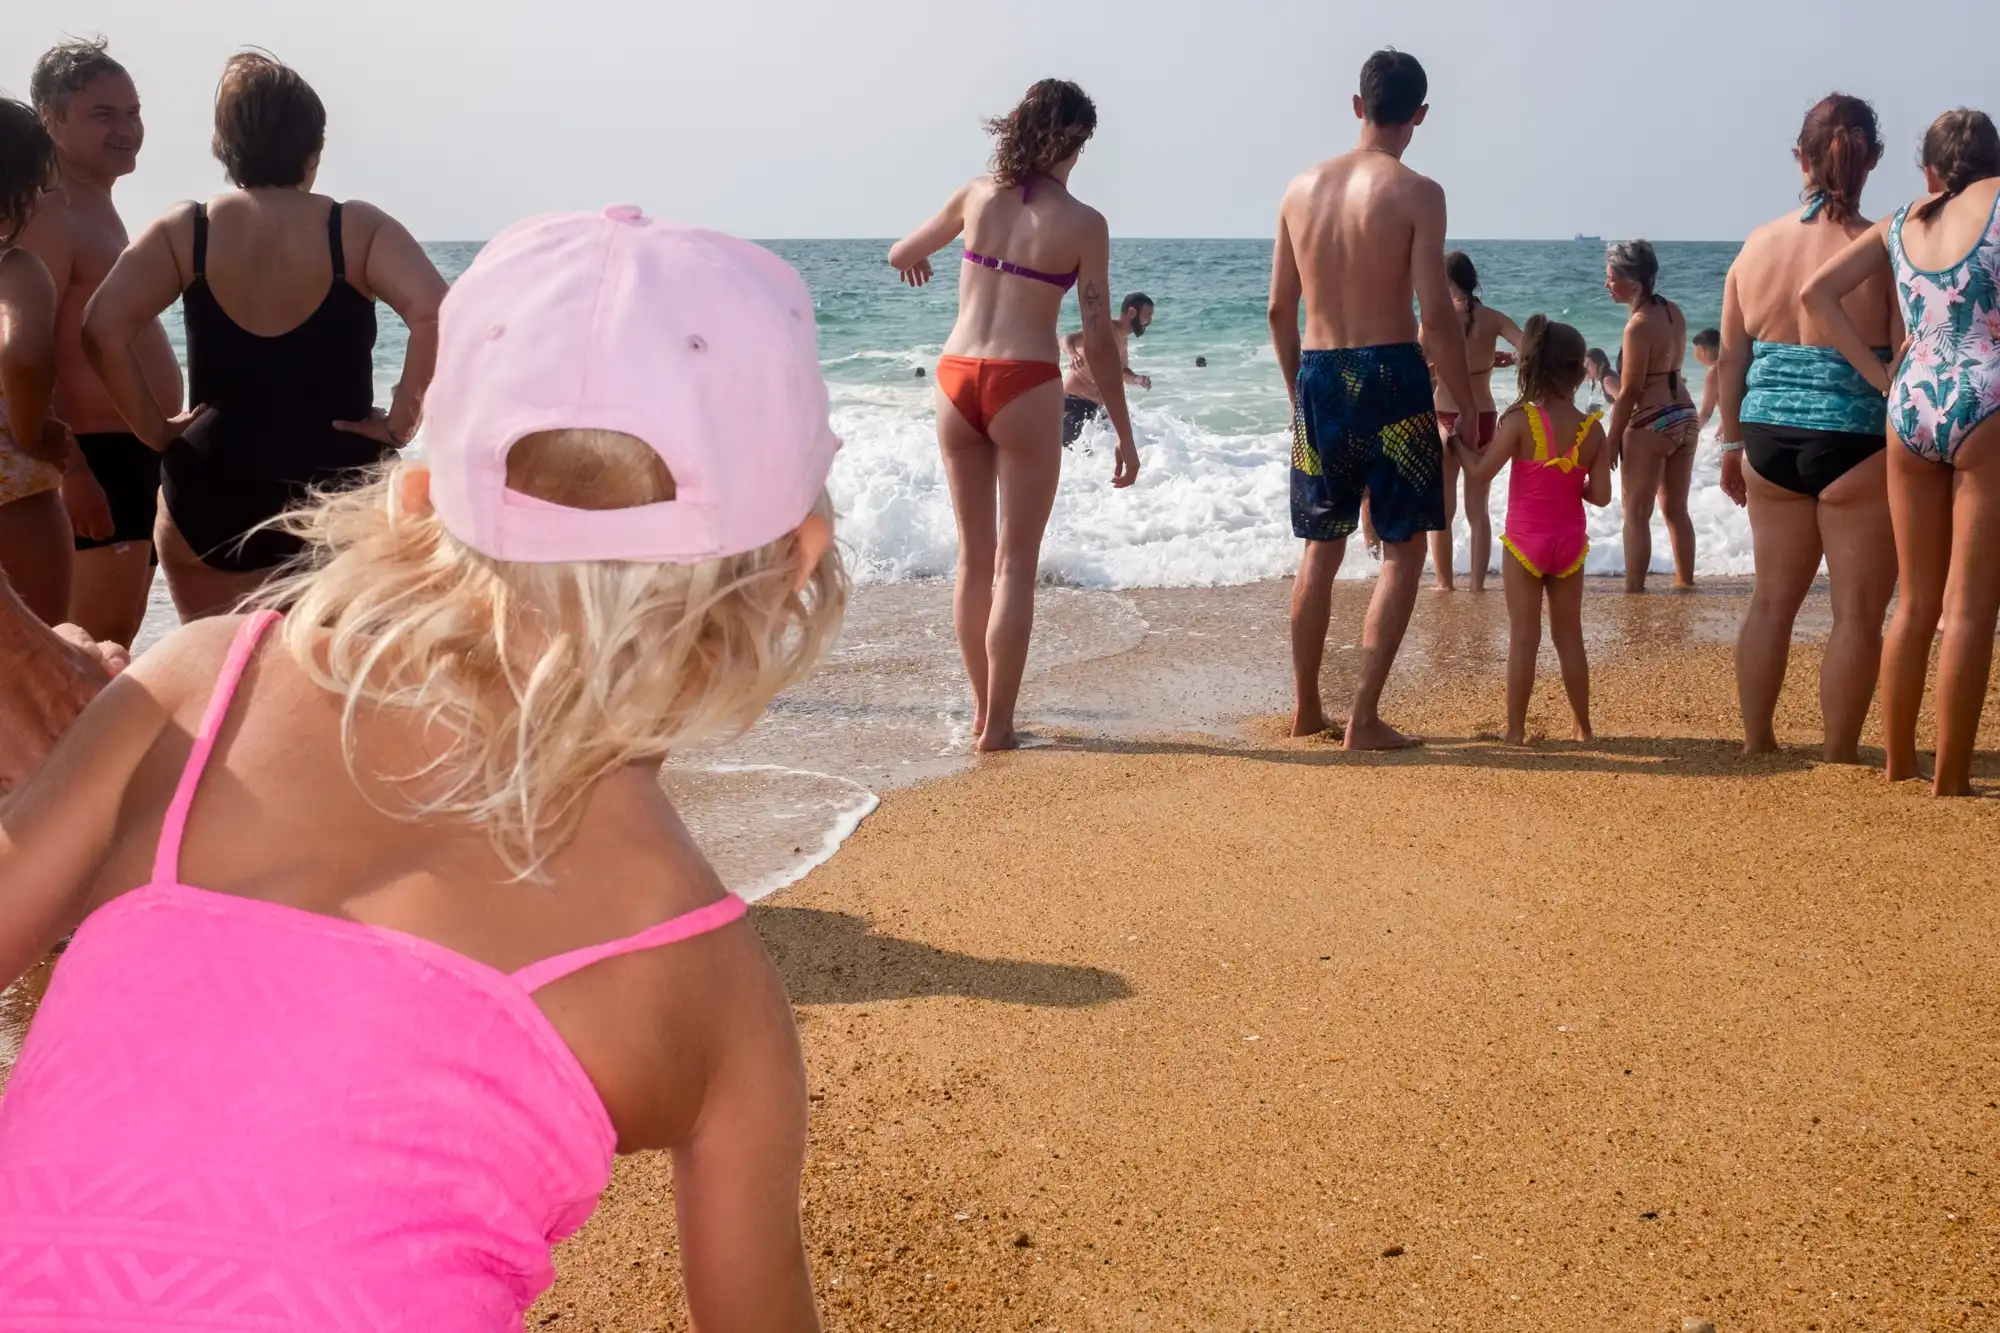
(979, 387)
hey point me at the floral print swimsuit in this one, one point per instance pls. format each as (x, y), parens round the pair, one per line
(21, 473)
(1950, 380)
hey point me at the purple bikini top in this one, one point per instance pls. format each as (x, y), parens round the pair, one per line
(1062, 280)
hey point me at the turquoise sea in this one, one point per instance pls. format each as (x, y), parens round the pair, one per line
(1210, 507)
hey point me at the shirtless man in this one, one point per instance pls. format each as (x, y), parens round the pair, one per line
(92, 111)
(1083, 402)
(1358, 236)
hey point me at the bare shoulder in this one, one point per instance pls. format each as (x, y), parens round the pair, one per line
(51, 229)
(1420, 186)
(362, 215)
(185, 664)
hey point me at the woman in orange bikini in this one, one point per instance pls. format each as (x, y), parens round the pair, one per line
(999, 383)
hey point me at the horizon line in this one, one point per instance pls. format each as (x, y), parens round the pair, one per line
(1260, 240)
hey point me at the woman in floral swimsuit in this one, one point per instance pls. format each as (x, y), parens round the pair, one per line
(1944, 409)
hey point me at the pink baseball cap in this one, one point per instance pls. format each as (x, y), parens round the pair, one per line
(700, 344)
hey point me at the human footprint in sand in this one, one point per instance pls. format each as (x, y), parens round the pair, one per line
(1561, 462)
(1360, 237)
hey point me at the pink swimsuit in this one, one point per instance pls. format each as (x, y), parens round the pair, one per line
(1545, 528)
(231, 1114)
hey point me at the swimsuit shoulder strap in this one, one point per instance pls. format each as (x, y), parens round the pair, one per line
(700, 921)
(167, 857)
(1584, 430)
(200, 241)
(1538, 423)
(333, 244)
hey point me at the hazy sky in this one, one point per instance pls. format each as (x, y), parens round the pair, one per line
(795, 118)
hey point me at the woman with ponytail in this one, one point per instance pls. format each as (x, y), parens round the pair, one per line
(1944, 412)
(1810, 427)
(1028, 240)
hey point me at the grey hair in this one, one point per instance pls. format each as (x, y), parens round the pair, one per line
(1635, 261)
(66, 70)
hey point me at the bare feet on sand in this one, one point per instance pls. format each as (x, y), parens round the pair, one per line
(987, 742)
(1310, 720)
(1516, 738)
(1583, 735)
(1375, 734)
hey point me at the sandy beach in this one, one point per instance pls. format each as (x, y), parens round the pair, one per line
(1193, 1032)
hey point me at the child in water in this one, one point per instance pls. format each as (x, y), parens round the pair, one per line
(386, 937)
(1561, 461)
(1708, 351)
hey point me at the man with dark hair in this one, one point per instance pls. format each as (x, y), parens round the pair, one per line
(112, 485)
(1083, 401)
(1360, 237)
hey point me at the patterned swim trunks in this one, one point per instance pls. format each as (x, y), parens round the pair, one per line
(1366, 424)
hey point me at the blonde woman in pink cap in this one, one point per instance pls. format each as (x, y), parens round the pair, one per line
(386, 938)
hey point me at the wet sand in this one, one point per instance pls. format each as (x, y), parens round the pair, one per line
(1238, 1032)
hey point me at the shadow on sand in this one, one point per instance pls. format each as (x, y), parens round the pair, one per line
(1675, 756)
(834, 958)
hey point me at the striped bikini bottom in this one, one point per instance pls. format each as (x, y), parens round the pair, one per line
(1679, 422)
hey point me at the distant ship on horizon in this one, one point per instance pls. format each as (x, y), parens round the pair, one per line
(1594, 240)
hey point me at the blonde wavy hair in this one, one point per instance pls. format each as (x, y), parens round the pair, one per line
(543, 678)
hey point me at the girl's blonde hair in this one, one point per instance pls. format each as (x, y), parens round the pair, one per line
(541, 679)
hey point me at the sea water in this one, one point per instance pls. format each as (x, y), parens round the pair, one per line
(1209, 512)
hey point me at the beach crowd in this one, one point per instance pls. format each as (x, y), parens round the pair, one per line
(394, 776)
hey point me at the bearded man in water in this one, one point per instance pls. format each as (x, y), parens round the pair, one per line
(1083, 401)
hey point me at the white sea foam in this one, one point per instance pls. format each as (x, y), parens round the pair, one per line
(1209, 508)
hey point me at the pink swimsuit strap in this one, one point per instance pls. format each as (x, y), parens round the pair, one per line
(167, 859)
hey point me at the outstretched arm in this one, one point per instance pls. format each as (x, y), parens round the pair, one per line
(911, 256)
(1485, 464)
(1865, 256)
(1286, 292)
(1100, 346)
(1443, 333)
(143, 283)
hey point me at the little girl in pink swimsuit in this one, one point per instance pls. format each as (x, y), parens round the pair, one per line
(1560, 463)
(386, 937)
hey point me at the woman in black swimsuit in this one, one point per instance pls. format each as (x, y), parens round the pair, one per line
(278, 289)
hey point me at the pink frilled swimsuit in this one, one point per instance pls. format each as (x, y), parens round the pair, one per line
(232, 1114)
(1545, 526)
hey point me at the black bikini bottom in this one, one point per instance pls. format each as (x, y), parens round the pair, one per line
(1803, 460)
